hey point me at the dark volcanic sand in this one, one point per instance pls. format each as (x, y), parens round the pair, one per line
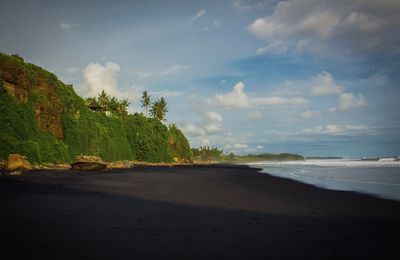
(194, 212)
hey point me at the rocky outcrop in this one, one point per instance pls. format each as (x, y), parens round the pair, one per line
(35, 85)
(18, 162)
(88, 163)
(18, 93)
(48, 110)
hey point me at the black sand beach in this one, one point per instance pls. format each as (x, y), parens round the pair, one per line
(189, 212)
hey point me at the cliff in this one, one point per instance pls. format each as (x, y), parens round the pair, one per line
(45, 120)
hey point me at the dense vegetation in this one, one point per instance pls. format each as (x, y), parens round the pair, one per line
(113, 136)
(178, 144)
(206, 154)
(109, 103)
(19, 132)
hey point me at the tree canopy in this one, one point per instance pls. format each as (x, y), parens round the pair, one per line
(110, 103)
(146, 101)
(159, 109)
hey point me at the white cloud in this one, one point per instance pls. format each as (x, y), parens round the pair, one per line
(241, 146)
(166, 93)
(238, 98)
(66, 26)
(264, 27)
(205, 28)
(141, 74)
(310, 114)
(174, 69)
(259, 147)
(210, 124)
(198, 15)
(254, 114)
(98, 77)
(324, 84)
(348, 102)
(272, 101)
(333, 129)
(192, 129)
(217, 23)
(278, 47)
(324, 26)
(241, 5)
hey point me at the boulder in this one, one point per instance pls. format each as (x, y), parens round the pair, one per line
(88, 163)
(88, 166)
(15, 173)
(18, 162)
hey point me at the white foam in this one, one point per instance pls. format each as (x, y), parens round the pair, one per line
(384, 162)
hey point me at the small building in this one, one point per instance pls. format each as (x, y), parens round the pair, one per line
(94, 106)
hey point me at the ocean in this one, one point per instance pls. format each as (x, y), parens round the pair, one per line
(380, 178)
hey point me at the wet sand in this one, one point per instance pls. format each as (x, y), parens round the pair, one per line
(189, 212)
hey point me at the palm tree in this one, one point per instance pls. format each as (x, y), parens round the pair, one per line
(163, 108)
(122, 107)
(159, 109)
(103, 99)
(146, 101)
(113, 104)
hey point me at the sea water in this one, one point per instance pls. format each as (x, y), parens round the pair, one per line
(380, 178)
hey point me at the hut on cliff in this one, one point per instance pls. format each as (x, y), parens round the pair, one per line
(94, 106)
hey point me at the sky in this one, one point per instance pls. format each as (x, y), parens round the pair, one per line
(320, 78)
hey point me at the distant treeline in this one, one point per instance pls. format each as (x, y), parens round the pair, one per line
(206, 153)
(271, 157)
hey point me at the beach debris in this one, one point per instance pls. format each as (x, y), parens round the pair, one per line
(18, 162)
(88, 163)
(15, 173)
(121, 165)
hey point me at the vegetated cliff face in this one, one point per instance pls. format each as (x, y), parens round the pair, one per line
(45, 120)
(26, 84)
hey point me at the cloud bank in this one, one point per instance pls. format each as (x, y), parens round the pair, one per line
(238, 98)
(314, 26)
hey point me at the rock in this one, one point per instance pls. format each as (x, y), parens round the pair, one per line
(15, 173)
(18, 162)
(88, 163)
(88, 166)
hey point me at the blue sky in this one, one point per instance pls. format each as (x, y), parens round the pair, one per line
(306, 76)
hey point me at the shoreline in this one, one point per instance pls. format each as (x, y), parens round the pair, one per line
(196, 212)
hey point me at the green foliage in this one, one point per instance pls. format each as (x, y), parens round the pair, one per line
(146, 101)
(110, 103)
(206, 153)
(19, 133)
(118, 136)
(178, 144)
(269, 157)
(159, 109)
(17, 57)
(90, 133)
(148, 138)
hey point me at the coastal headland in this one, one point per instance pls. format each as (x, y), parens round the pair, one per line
(189, 212)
